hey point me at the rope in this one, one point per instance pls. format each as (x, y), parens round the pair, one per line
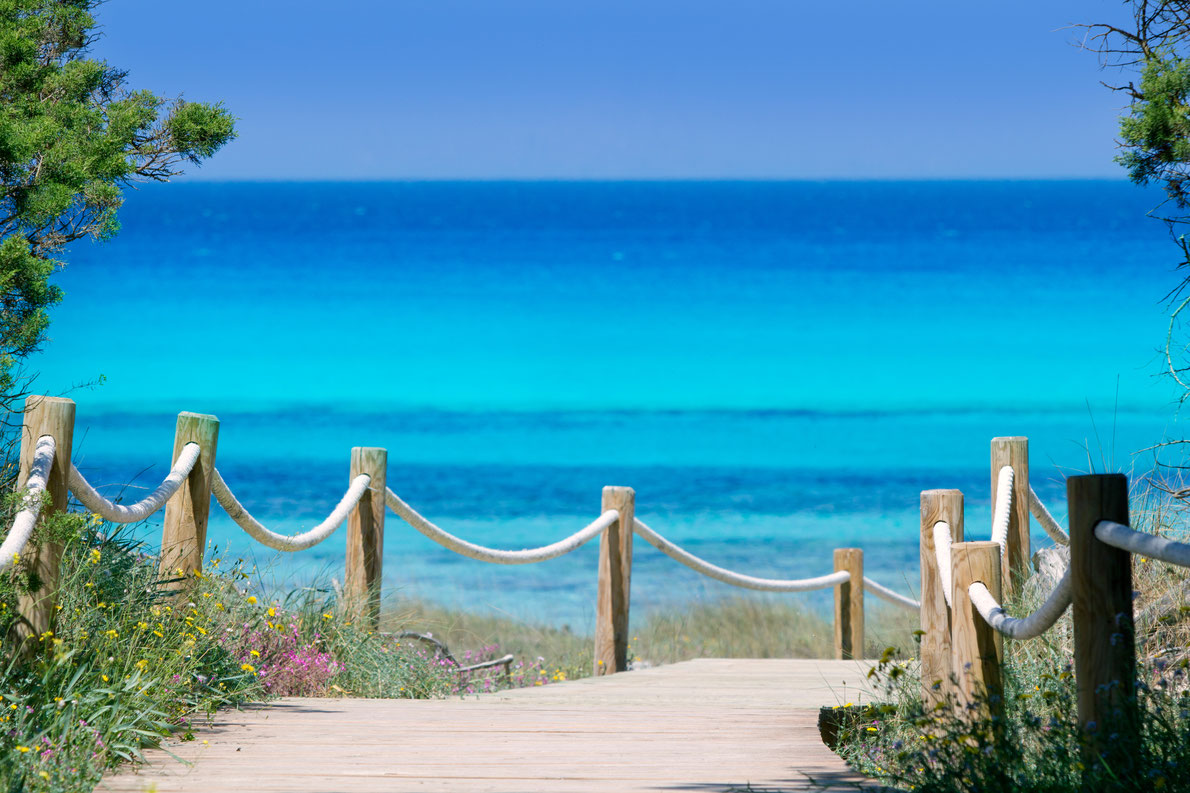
(483, 554)
(1150, 545)
(896, 599)
(942, 557)
(1046, 519)
(736, 579)
(282, 542)
(1029, 627)
(1003, 511)
(131, 513)
(26, 519)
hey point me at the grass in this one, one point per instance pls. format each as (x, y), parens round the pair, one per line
(1036, 744)
(732, 627)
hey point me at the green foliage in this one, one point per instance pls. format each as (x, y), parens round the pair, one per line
(72, 136)
(1156, 133)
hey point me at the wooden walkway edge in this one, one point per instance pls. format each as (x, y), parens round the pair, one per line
(705, 725)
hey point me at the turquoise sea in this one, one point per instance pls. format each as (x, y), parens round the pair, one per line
(777, 368)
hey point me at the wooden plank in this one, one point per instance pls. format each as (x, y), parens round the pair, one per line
(40, 562)
(365, 535)
(613, 594)
(936, 673)
(184, 537)
(849, 604)
(719, 724)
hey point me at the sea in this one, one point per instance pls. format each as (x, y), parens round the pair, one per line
(777, 368)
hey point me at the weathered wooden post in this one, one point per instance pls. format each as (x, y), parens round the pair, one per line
(184, 537)
(615, 579)
(1104, 643)
(977, 650)
(1014, 452)
(944, 506)
(365, 536)
(40, 561)
(849, 604)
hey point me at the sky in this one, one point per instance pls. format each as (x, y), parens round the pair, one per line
(632, 89)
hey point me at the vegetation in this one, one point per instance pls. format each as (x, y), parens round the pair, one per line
(73, 134)
(1036, 743)
(1153, 52)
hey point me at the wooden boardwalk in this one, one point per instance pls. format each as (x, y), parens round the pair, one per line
(706, 725)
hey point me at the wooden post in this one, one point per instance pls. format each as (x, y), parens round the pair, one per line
(42, 557)
(936, 673)
(184, 537)
(615, 580)
(365, 536)
(1014, 452)
(977, 650)
(849, 604)
(1104, 644)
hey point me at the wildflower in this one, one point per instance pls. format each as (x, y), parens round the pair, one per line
(95, 556)
(252, 598)
(326, 615)
(43, 775)
(111, 634)
(272, 611)
(248, 668)
(159, 634)
(105, 678)
(22, 749)
(255, 653)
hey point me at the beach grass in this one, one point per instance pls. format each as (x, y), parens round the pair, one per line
(728, 627)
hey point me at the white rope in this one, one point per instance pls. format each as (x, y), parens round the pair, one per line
(1003, 509)
(282, 542)
(942, 557)
(1028, 627)
(483, 554)
(1150, 545)
(131, 513)
(895, 598)
(1046, 520)
(26, 519)
(736, 579)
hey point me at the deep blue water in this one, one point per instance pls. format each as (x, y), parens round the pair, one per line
(777, 368)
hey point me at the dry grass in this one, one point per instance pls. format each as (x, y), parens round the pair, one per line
(733, 627)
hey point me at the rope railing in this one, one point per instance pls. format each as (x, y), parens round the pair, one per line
(1125, 538)
(282, 542)
(1023, 628)
(683, 556)
(184, 533)
(1046, 520)
(90, 498)
(493, 555)
(1003, 511)
(890, 595)
(26, 519)
(942, 542)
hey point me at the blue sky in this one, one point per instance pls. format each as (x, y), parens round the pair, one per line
(632, 88)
